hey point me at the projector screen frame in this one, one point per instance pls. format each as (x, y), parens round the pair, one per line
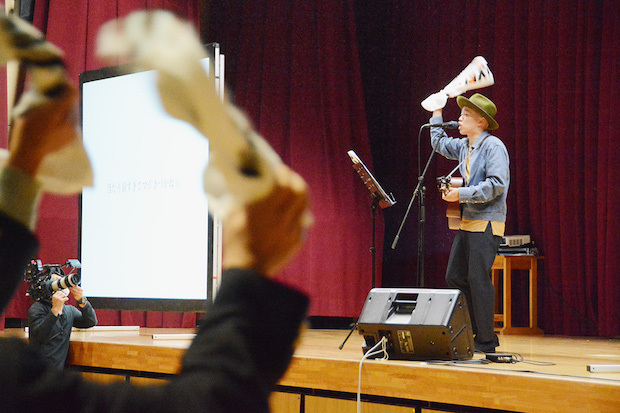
(151, 304)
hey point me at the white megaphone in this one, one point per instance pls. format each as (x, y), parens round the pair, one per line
(475, 76)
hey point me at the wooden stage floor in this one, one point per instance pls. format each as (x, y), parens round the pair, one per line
(553, 375)
(562, 387)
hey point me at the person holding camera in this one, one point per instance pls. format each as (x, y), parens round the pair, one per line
(50, 321)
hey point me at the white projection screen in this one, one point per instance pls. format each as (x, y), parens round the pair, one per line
(146, 238)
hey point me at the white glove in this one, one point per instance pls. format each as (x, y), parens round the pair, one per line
(435, 101)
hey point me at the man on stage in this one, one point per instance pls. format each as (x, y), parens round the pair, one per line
(485, 169)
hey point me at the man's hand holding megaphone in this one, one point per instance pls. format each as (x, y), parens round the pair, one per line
(475, 76)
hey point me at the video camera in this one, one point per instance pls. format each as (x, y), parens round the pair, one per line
(40, 284)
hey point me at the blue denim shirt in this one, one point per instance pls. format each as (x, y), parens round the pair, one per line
(484, 196)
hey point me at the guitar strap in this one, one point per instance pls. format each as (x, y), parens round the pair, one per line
(471, 150)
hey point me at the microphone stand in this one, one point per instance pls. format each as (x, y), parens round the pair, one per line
(419, 191)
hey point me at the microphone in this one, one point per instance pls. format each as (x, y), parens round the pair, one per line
(446, 125)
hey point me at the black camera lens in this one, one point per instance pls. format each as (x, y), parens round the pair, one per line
(67, 281)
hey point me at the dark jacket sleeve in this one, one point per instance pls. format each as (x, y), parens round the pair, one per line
(84, 317)
(240, 352)
(41, 322)
(246, 341)
(17, 247)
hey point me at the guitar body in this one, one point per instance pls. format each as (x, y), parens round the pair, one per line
(453, 210)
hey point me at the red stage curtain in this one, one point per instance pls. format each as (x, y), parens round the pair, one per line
(556, 71)
(73, 27)
(300, 82)
(294, 68)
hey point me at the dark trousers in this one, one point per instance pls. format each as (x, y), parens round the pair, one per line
(469, 268)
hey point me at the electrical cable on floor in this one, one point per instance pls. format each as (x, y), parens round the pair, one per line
(511, 358)
(514, 358)
(489, 358)
(455, 363)
(369, 353)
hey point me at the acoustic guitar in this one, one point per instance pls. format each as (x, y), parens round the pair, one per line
(453, 210)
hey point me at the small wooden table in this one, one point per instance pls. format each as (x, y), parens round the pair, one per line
(507, 263)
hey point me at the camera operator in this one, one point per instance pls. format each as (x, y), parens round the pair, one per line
(50, 321)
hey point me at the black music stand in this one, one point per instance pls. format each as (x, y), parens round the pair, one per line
(380, 198)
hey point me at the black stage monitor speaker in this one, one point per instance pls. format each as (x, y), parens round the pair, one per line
(419, 323)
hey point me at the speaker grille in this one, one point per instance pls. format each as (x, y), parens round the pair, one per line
(419, 323)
